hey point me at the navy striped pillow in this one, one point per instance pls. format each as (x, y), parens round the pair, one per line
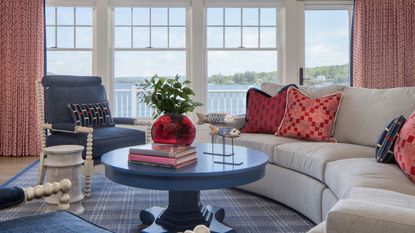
(91, 115)
(386, 141)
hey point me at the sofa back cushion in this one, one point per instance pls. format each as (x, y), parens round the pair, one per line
(314, 92)
(364, 112)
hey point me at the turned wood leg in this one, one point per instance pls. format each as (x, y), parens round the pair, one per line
(42, 129)
(88, 165)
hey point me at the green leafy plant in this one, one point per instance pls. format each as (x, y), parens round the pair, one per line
(167, 95)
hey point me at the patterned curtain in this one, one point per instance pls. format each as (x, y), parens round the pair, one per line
(22, 62)
(384, 43)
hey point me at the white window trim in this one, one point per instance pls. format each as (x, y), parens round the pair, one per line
(77, 3)
(302, 6)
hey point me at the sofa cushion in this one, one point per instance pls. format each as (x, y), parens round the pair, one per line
(309, 118)
(364, 112)
(262, 142)
(382, 196)
(104, 139)
(359, 216)
(311, 158)
(342, 175)
(314, 92)
(51, 222)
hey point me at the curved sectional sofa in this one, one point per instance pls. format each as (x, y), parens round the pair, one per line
(340, 186)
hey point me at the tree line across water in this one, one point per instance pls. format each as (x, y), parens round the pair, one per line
(337, 74)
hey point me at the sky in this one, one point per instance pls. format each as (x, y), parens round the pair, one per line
(326, 33)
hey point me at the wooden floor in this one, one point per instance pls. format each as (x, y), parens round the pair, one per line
(9, 166)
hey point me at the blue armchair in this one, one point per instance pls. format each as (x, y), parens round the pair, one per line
(60, 221)
(60, 91)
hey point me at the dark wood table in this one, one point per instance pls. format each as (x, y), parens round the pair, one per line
(184, 210)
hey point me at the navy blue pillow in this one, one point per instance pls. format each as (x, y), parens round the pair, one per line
(386, 141)
(91, 115)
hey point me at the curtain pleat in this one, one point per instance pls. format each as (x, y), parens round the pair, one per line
(384, 43)
(21, 64)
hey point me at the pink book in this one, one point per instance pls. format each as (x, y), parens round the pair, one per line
(161, 160)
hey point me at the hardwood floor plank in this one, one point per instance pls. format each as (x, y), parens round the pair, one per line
(10, 166)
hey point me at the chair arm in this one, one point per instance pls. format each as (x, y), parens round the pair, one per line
(11, 197)
(67, 128)
(360, 216)
(132, 121)
(124, 120)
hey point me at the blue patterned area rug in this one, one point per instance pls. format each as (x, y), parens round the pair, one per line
(117, 207)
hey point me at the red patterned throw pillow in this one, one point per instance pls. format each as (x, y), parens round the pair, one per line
(263, 112)
(405, 148)
(310, 119)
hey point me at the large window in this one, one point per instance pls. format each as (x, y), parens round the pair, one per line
(242, 49)
(327, 46)
(147, 41)
(69, 40)
(223, 47)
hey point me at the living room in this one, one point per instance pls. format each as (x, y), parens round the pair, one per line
(282, 116)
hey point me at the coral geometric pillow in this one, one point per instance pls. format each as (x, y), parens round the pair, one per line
(405, 148)
(263, 112)
(386, 141)
(310, 119)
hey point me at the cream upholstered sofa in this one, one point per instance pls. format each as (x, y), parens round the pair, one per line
(340, 186)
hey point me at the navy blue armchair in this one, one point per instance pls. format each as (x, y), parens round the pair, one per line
(60, 221)
(60, 91)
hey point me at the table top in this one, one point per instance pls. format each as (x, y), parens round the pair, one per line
(205, 174)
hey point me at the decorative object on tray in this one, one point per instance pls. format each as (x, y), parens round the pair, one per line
(170, 99)
(224, 132)
(163, 155)
(215, 118)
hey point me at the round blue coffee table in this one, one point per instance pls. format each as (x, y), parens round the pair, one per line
(184, 210)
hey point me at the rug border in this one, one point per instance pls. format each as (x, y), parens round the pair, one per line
(7, 182)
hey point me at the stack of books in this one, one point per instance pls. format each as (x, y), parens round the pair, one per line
(164, 155)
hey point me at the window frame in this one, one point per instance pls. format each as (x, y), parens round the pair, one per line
(75, 4)
(320, 5)
(290, 35)
(144, 4)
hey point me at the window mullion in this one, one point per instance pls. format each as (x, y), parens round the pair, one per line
(132, 28)
(223, 28)
(56, 27)
(242, 30)
(150, 29)
(168, 27)
(74, 27)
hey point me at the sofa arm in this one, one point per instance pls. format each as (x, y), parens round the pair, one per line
(359, 216)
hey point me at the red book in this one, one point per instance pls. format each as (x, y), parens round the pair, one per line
(163, 161)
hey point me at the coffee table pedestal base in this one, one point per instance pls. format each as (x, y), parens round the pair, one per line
(184, 213)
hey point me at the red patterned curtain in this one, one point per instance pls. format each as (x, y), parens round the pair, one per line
(384, 43)
(21, 63)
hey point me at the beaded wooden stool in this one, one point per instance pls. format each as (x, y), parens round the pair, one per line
(64, 162)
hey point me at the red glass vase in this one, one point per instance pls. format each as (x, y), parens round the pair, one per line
(173, 129)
